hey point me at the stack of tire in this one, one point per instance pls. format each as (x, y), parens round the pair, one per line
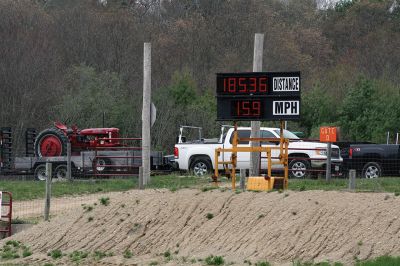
(6, 148)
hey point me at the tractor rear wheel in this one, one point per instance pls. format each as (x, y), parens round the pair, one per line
(51, 142)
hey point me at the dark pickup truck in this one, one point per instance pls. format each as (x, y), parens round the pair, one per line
(372, 160)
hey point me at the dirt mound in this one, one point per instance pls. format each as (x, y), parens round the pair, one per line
(190, 224)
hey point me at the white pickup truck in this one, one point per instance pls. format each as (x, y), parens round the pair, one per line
(304, 156)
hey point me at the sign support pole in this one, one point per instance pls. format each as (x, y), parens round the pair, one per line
(255, 125)
(329, 162)
(146, 140)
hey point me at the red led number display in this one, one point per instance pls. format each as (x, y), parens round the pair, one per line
(243, 85)
(247, 108)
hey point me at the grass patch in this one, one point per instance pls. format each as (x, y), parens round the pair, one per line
(262, 263)
(128, 254)
(173, 182)
(299, 263)
(13, 249)
(167, 254)
(209, 216)
(55, 254)
(77, 255)
(215, 260)
(208, 188)
(384, 184)
(380, 261)
(28, 190)
(87, 208)
(98, 255)
(25, 221)
(104, 201)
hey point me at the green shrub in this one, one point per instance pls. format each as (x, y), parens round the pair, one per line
(78, 255)
(13, 243)
(262, 263)
(26, 252)
(215, 260)
(98, 255)
(209, 216)
(55, 254)
(105, 201)
(128, 254)
(167, 254)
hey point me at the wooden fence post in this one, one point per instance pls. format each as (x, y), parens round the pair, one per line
(352, 179)
(242, 179)
(69, 168)
(141, 184)
(48, 190)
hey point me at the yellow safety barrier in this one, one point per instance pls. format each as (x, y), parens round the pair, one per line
(260, 183)
(257, 182)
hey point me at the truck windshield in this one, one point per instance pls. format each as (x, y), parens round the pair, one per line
(286, 134)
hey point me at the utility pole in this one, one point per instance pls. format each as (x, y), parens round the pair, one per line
(146, 140)
(255, 125)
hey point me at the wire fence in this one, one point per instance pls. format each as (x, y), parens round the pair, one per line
(65, 195)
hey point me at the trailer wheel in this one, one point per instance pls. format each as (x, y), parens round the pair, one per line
(100, 165)
(40, 172)
(51, 142)
(61, 172)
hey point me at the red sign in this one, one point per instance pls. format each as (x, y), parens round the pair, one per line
(328, 134)
(247, 108)
(244, 85)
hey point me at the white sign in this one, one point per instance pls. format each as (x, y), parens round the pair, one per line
(286, 107)
(153, 114)
(284, 84)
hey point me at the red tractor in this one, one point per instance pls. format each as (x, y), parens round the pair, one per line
(53, 141)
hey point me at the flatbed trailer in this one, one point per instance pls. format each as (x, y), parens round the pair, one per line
(117, 161)
(87, 163)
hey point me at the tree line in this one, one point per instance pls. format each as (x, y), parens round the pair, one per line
(74, 61)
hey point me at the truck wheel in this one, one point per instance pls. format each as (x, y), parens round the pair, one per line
(371, 170)
(99, 165)
(299, 168)
(51, 142)
(61, 172)
(40, 172)
(201, 166)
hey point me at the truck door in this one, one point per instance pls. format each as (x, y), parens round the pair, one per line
(243, 158)
(274, 152)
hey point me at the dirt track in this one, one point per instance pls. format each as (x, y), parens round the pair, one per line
(277, 227)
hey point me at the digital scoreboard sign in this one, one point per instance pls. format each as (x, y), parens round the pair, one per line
(258, 96)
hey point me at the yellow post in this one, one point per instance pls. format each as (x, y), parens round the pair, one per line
(269, 162)
(284, 145)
